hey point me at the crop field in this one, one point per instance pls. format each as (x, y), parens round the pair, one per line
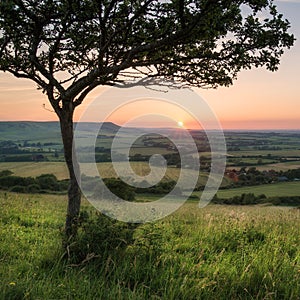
(106, 170)
(33, 169)
(219, 252)
(280, 166)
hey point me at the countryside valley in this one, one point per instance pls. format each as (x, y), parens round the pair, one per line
(262, 166)
(244, 245)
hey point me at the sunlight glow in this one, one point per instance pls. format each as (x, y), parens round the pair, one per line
(180, 124)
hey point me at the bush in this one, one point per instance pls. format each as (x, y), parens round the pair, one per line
(33, 188)
(63, 184)
(285, 200)
(18, 189)
(244, 199)
(5, 173)
(100, 236)
(117, 187)
(48, 182)
(163, 187)
(10, 181)
(45, 182)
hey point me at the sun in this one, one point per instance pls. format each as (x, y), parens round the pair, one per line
(180, 124)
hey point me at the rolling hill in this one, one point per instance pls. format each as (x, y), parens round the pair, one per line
(43, 131)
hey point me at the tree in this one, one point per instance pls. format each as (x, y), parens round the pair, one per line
(70, 47)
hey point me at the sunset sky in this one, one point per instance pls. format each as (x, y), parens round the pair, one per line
(258, 99)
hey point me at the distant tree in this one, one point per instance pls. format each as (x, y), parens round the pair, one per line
(56, 155)
(5, 173)
(70, 47)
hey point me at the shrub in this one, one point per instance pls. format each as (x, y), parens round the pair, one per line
(5, 173)
(244, 199)
(163, 187)
(117, 187)
(100, 236)
(33, 188)
(10, 181)
(48, 181)
(63, 184)
(18, 189)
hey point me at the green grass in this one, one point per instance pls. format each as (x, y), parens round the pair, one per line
(270, 190)
(239, 162)
(212, 253)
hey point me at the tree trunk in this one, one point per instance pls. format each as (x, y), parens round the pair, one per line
(74, 193)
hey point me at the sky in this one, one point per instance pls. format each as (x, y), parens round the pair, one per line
(258, 99)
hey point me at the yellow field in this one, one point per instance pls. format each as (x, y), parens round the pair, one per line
(33, 169)
(280, 166)
(106, 170)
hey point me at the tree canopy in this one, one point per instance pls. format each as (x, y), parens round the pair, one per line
(70, 47)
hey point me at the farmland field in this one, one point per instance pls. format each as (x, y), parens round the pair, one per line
(280, 166)
(212, 253)
(106, 170)
(33, 169)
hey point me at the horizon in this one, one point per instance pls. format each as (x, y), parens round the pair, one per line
(161, 127)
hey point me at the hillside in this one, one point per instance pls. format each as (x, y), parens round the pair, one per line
(41, 131)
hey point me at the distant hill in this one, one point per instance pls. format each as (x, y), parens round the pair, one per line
(44, 131)
(107, 127)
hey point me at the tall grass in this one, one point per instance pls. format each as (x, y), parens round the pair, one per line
(212, 253)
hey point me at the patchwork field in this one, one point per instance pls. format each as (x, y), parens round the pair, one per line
(219, 252)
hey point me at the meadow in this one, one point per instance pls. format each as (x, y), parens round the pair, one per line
(219, 252)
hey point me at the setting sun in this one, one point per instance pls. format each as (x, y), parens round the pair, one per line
(180, 123)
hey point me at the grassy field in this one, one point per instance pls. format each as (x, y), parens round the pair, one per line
(270, 190)
(212, 253)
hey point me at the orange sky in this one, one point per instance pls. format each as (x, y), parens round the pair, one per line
(258, 99)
